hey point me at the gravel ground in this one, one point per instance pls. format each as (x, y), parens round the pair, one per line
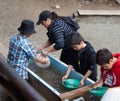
(101, 31)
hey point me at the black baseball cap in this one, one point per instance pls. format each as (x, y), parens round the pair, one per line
(43, 16)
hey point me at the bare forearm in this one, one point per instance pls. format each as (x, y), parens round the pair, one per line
(47, 44)
(69, 69)
(99, 83)
(67, 73)
(51, 49)
(88, 73)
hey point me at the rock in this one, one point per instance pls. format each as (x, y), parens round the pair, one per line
(57, 6)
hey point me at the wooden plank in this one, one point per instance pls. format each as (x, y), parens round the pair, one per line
(76, 92)
(98, 12)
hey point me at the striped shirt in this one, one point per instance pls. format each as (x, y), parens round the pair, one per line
(20, 52)
(59, 33)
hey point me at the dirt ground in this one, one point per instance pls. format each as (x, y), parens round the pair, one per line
(12, 12)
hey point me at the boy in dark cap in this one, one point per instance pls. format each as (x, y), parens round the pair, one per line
(21, 49)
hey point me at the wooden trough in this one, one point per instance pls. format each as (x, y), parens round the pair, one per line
(50, 93)
(37, 89)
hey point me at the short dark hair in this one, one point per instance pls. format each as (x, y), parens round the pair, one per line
(103, 56)
(76, 38)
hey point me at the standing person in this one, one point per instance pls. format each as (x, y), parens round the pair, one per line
(21, 49)
(110, 68)
(59, 34)
(86, 58)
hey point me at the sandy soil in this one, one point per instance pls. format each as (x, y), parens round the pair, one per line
(12, 12)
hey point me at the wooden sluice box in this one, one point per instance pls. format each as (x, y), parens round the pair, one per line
(49, 84)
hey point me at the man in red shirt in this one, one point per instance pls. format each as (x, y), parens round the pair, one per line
(110, 68)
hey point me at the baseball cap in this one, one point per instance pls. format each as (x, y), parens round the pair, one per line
(43, 16)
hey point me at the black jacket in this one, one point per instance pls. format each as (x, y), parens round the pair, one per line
(59, 33)
(87, 58)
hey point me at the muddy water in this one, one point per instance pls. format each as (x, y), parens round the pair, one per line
(53, 78)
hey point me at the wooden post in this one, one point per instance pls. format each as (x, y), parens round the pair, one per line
(74, 93)
(18, 88)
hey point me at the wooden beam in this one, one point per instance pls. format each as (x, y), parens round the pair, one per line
(98, 12)
(18, 88)
(75, 93)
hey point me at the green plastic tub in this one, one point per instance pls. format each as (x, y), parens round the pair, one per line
(71, 83)
(98, 92)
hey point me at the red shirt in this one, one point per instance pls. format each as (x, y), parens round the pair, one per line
(112, 77)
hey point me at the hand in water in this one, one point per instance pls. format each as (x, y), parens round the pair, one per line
(39, 49)
(64, 78)
(43, 59)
